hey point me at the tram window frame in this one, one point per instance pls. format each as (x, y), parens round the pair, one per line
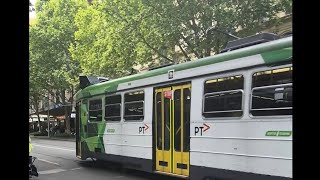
(89, 103)
(279, 86)
(227, 113)
(112, 118)
(131, 117)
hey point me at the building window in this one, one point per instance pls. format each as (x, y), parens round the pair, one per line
(95, 110)
(223, 97)
(134, 106)
(113, 108)
(271, 93)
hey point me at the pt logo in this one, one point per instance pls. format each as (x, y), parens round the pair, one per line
(142, 129)
(200, 129)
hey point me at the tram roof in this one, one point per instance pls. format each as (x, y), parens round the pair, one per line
(272, 52)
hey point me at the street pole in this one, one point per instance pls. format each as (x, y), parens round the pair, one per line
(48, 118)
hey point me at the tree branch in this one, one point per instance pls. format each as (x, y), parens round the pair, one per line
(184, 53)
(154, 49)
(189, 44)
(143, 39)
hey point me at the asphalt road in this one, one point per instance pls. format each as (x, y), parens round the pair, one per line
(57, 161)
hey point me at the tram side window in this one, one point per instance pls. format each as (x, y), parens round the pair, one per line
(223, 97)
(95, 110)
(134, 106)
(113, 108)
(271, 92)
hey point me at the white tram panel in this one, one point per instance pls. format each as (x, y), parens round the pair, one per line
(239, 144)
(112, 137)
(137, 136)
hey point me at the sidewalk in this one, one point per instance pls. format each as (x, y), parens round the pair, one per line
(54, 138)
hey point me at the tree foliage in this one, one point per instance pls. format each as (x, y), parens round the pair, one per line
(111, 38)
(52, 69)
(50, 39)
(114, 36)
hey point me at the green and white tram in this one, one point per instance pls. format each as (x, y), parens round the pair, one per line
(228, 116)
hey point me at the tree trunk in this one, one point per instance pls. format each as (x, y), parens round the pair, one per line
(208, 45)
(39, 121)
(36, 105)
(66, 113)
(67, 119)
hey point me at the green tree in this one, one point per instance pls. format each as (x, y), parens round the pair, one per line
(115, 36)
(35, 89)
(50, 39)
(103, 45)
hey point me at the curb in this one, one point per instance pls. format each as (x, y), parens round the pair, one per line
(52, 138)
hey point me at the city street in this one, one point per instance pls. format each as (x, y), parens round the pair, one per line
(57, 161)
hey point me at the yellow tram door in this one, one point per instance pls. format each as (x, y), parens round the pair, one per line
(172, 127)
(181, 129)
(163, 130)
